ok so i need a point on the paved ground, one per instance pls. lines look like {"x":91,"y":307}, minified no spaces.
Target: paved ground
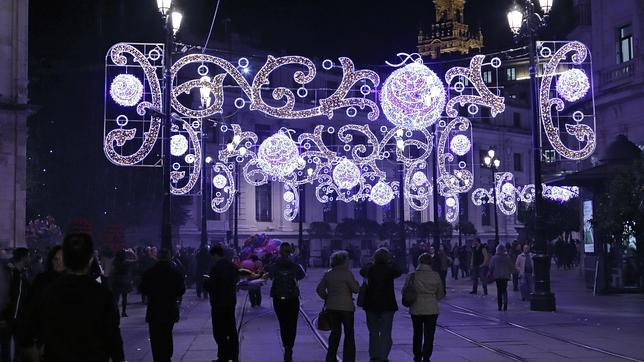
{"x":584,"y":328}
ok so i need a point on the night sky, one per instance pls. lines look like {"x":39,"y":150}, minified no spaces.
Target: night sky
{"x":68,"y":174}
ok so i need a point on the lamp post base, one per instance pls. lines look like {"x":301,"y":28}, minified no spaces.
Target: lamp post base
{"x":543,"y":302}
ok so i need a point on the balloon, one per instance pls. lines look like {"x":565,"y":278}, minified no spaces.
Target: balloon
{"x":247,"y":264}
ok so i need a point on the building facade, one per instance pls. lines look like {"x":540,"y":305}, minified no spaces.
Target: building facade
{"x":14,"y":110}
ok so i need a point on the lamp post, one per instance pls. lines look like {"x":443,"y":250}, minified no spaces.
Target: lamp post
{"x":493,"y":163}
{"x":526,"y":22}
{"x":204,"y":93}
{"x":171,"y":24}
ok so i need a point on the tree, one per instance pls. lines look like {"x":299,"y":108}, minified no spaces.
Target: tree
{"x":368,"y":228}
{"x":559,"y":219}
{"x":389,"y":230}
{"x":319,"y":230}
{"x":347,"y":229}
{"x":466,"y":227}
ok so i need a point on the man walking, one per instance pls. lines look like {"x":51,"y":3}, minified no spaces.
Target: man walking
{"x":163,"y":285}
{"x":479,"y":268}
{"x":222,"y":287}
{"x":15,"y":280}
{"x":79,"y":319}
{"x":525,"y":267}
{"x":286,"y":296}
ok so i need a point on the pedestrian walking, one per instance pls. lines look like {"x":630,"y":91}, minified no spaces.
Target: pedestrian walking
{"x":121,"y":279}
{"x":255,"y":294}
{"x":221,"y":284}
{"x":337,"y":288}
{"x":501,"y":269}
{"x":479,"y":266}
{"x":525,"y":266}
{"x":285,"y":292}
{"x":424,"y":310}
{"x":203,"y":260}
{"x":16,"y":280}
{"x":163,"y":285}
{"x":79,"y":319}
{"x":380,"y":302}
{"x":514,"y":253}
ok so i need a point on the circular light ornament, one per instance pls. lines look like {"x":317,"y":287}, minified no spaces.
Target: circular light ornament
{"x":413,"y":97}
{"x":507,"y":188}
{"x":346,"y":174}
{"x":178,"y":145}
{"x":381,"y":194}
{"x":460,"y":144}
{"x":450,"y":202}
{"x":126,"y":90}
{"x":278,"y":155}
{"x":289,"y":196}
{"x":419,"y":179}
{"x":573,"y":85}
{"x":219,"y":181}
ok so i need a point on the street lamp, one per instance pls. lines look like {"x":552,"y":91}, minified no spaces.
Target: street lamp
{"x":493,"y":163}
{"x":171,"y":26}
{"x":526,"y":22}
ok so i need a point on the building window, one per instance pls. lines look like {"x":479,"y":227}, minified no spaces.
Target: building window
{"x":487,"y":76}
{"x":330,"y":211}
{"x":416,"y":216}
{"x":263,"y":203}
{"x":516,"y":120}
{"x":550,"y":156}
{"x":360,"y":210}
{"x":624,"y":43}
{"x":517,"y":162}
{"x":511,"y":73}
{"x":485,"y":214}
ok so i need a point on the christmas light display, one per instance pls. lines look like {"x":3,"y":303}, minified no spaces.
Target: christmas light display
{"x":460,"y":145}
{"x":278,"y":155}
{"x":572,"y":85}
{"x":126,"y":90}
{"x":346,"y":174}
{"x":219,"y":181}
{"x":178,"y":145}
{"x":381,"y":194}
{"x":413,"y":97}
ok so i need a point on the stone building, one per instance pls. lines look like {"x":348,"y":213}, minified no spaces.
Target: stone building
{"x":14,"y":110}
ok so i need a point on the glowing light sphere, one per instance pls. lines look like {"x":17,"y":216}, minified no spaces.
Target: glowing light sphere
{"x":278,"y":155}
{"x":413,"y":97}
{"x":419,"y":178}
{"x":219,"y":181}
{"x":381,"y":194}
{"x":460,"y":144}
{"x":178,"y":145}
{"x":346,"y":174}
{"x":573,"y":85}
{"x":450,"y":202}
{"x":289,"y":196}
{"x":126,"y":90}
{"x":507,"y":188}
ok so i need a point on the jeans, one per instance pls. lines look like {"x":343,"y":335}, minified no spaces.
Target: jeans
{"x":424,"y":326}
{"x":339,"y":319}
{"x":515,"y":281}
{"x":502,"y":293}
{"x":479,"y":273}
{"x":287,"y":311}
{"x":161,"y":341}
{"x":224,"y":330}
{"x":526,"y":286}
{"x":379,"y":325}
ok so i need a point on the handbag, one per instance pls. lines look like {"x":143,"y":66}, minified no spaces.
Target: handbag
{"x":409,"y":293}
{"x":362,"y":294}
{"x":323,"y":322}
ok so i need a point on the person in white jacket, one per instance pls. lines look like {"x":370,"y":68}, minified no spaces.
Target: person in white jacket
{"x":525,"y":266}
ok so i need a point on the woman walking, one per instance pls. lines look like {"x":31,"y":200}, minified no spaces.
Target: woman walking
{"x":122,"y":279}
{"x":501,"y":269}
{"x":380,"y":303}
{"x":337,"y":288}
{"x":424,"y":310}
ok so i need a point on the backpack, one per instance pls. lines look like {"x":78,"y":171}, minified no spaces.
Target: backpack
{"x":285,"y":284}
{"x":409,"y":293}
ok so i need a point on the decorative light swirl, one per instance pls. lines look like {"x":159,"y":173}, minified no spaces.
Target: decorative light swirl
{"x":416,"y":192}
{"x":507,"y":199}
{"x":485,"y":98}
{"x":292,"y":207}
{"x":222,"y":200}
{"x":461,"y":180}
{"x":451,"y":208}
{"x":582,"y":132}
{"x":195,"y":167}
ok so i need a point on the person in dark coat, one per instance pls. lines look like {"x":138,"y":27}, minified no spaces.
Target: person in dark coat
{"x":286,"y":296}
{"x":380,"y":303}
{"x":16,"y":280}
{"x":163,"y":285}
{"x":122,"y":279}
{"x":79,"y":319}
{"x":221,"y":284}
{"x":203,"y":264}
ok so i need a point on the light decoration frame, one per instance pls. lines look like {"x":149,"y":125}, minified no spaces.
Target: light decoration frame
{"x":568,"y":60}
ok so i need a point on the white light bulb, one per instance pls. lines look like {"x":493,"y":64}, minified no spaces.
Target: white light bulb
{"x":309,"y":171}
{"x":236,"y":139}
{"x":242,"y":151}
{"x":400,"y":144}
{"x":230,"y":147}
{"x":219,"y":181}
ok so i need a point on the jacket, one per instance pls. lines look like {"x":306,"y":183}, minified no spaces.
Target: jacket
{"x":520,"y":264}
{"x":16,"y":293}
{"x":285,"y":264}
{"x":380,"y":290}
{"x":501,"y":266}
{"x":164,"y":286}
{"x":429,"y":290}
{"x":222,"y":284}
{"x":80,"y":321}
{"x":337,"y":288}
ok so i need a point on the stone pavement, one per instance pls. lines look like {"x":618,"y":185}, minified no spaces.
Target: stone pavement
{"x":584,"y":328}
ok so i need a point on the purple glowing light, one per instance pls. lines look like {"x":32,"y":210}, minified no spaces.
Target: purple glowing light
{"x":126,"y":90}
{"x":573,"y":85}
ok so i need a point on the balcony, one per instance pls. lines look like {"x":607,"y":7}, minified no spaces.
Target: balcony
{"x":618,"y":75}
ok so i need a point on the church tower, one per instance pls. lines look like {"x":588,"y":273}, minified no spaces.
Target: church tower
{"x":449,"y":33}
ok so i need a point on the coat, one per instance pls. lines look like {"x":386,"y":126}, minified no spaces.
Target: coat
{"x":429,"y":290}
{"x":380,"y":295}
{"x":520,"y":264}
{"x":80,"y":321}
{"x":501,"y":266}
{"x":282,"y":264}
{"x":337,"y":288}
{"x":222,"y":284}
{"x":164,"y":286}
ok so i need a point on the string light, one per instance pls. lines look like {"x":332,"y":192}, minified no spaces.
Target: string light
{"x":278,"y":155}
{"x":346,"y":174}
{"x":460,"y":145}
{"x":178,"y":145}
{"x":381,"y":194}
{"x":126,"y":90}
{"x":219,"y":181}
{"x":572,"y":85}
